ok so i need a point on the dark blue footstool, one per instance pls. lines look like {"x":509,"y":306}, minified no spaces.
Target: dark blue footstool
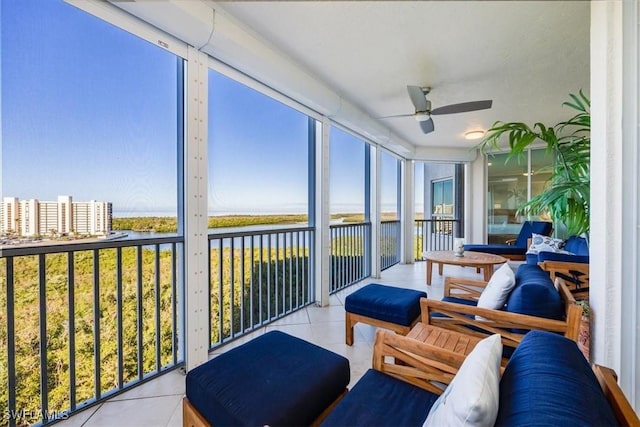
{"x":388,"y":307}
{"x":275,"y":379}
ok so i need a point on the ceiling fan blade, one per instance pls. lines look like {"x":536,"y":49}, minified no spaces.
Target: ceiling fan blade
{"x":397,"y":115}
{"x":463,"y":107}
{"x":418,"y":98}
{"x":427,"y":125}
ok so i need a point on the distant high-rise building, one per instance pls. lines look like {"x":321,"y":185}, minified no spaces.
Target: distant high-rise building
{"x":10,"y":215}
{"x":33,"y":217}
{"x":29,"y":213}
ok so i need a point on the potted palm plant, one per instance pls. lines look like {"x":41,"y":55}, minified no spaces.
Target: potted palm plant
{"x":566,"y":197}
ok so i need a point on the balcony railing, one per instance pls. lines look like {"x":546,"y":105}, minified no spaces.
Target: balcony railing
{"x":389,"y":244}
{"x":434,"y":235}
{"x":350,"y":248}
{"x":257,"y":277}
{"x":85,"y":321}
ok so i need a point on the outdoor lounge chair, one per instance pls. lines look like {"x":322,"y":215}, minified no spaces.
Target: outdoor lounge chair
{"x":517,"y":249}
{"x":572,"y":264}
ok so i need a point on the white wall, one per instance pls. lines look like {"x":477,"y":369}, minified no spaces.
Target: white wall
{"x":475,"y":193}
{"x":614,"y":183}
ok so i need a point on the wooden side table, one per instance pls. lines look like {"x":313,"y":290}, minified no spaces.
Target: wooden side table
{"x":457,"y":342}
{"x":478,"y":260}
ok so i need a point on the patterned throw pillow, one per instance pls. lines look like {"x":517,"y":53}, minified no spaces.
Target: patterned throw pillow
{"x":540,"y":243}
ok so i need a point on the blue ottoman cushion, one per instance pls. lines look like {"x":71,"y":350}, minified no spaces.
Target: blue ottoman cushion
{"x":380,"y":400}
{"x":549,"y":382}
{"x":275,"y":379}
{"x":387,"y":303}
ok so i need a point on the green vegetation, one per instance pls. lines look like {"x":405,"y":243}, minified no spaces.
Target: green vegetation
{"x":248,"y":288}
{"x":27,"y":330}
{"x":167,"y":224}
{"x":262,"y":286}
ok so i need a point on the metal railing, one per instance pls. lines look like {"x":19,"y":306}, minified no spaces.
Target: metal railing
{"x":389,"y":244}
{"x":350,"y":249}
{"x":434,"y":235}
{"x":83,"y":322}
{"x":256,"y":277}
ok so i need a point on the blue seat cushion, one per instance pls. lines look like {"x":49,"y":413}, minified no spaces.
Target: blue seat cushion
{"x":461,"y":301}
{"x":275,"y":379}
{"x":386,"y":303}
{"x":380,"y":400}
{"x":557,"y":256}
{"x":549,"y":382}
{"x":497,"y":249}
{"x":456,"y":301}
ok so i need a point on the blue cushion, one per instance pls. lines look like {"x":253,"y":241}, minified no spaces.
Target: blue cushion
{"x":456,"y":301}
{"x":577,"y":245}
{"x":530,"y":227}
{"x":549,"y":382}
{"x":556,"y":256}
{"x":532,"y":259}
{"x":536,"y":299}
{"x":497,"y":249}
{"x":380,"y":400}
{"x":461,"y":301}
{"x":275,"y":379}
{"x":387,"y":303}
{"x":528,"y":273}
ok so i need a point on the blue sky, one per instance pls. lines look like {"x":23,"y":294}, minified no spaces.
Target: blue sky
{"x":90,"y":111}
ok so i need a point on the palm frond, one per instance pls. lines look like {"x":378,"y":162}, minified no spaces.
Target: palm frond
{"x":566,"y":195}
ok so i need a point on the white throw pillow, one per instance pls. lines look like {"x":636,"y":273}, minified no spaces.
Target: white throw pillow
{"x":472,"y":397}
{"x":495,"y":294}
{"x":540,"y":243}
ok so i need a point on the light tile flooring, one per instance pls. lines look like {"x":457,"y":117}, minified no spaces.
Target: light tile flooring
{"x":158,"y":402}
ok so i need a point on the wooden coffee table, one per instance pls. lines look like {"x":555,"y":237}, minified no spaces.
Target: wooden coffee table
{"x":470,"y":259}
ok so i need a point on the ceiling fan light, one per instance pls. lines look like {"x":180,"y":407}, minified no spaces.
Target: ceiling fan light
{"x":421,"y":116}
{"x":474,"y":134}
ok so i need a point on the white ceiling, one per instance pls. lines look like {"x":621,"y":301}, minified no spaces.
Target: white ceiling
{"x":526,"y":56}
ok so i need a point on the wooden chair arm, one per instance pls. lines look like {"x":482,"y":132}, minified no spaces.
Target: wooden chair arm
{"x":414,"y":362}
{"x":615,"y":396}
{"x":463,"y":288}
{"x":495,"y":321}
{"x":566,"y":267}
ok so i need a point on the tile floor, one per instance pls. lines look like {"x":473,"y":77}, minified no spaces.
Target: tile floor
{"x":158,"y":402}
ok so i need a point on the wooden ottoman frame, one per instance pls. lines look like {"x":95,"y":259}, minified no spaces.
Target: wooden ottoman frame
{"x":351,"y":319}
{"x":192,"y":418}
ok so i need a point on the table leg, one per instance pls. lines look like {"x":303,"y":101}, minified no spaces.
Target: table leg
{"x":440,"y":268}
{"x":488,"y":272}
{"x":429,"y":267}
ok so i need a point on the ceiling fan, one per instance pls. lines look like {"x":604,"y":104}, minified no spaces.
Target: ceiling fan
{"x":424,"y":112}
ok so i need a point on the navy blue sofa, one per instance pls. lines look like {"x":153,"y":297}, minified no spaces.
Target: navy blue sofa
{"x":518,"y":249}
{"x":538,"y":387}
{"x":533,"y":303}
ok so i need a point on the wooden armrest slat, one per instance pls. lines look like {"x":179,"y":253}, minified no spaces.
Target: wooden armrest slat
{"x":621,"y":407}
